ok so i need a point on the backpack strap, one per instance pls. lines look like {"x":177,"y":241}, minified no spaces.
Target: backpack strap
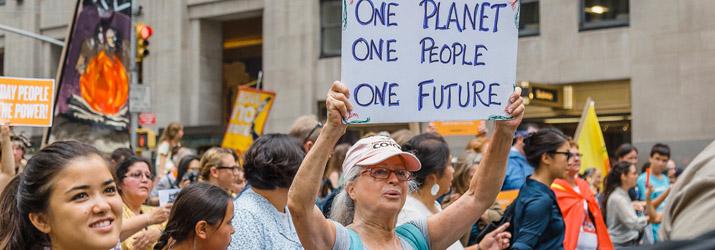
{"x":355,"y":241}
{"x":413,"y":236}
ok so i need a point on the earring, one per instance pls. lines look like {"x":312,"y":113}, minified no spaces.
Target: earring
{"x":434,"y":190}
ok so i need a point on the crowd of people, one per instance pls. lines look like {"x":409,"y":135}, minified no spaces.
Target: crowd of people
{"x":311,"y":189}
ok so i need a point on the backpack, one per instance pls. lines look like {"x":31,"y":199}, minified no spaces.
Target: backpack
{"x":508,"y":216}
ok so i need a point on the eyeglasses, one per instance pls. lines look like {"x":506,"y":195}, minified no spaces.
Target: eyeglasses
{"x":234,"y":168}
{"x":138,"y":175}
{"x":568,"y":155}
{"x":317,"y":126}
{"x":383,"y":173}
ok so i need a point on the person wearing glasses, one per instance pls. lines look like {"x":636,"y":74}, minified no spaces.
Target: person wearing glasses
{"x":143,"y":224}
{"x":219,"y":167}
{"x":306,"y":128}
{"x":585,"y":227}
{"x":262,"y":218}
{"x":538,"y":223}
{"x":377,"y":177}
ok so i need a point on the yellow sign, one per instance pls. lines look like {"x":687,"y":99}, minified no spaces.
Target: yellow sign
{"x":457,"y":127}
{"x":248,"y":118}
{"x":26,"y":101}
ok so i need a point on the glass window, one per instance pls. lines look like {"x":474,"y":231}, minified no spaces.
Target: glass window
{"x":529,"y":18}
{"x":330,"y":32}
{"x":2,"y":2}
{"x":597,"y":14}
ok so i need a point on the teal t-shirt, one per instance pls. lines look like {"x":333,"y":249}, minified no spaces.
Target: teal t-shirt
{"x":660,"y":185}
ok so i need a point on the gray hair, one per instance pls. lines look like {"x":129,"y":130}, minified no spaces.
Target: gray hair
{"x":343,"y":208}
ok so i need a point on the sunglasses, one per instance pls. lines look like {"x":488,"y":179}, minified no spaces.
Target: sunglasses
{"x":317,"y":126}
{"x":568,"y":155}
{"x":383,"y":173}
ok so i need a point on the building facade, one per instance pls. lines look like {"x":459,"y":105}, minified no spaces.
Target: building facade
{"x":649,"y":65}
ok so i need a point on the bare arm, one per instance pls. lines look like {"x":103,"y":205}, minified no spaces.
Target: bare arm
{"x":314,"y":230}
{"x":653,"y":215}
{"x":135,"y":224}
{"x":661,"y":198}
{"x":446,"y":227}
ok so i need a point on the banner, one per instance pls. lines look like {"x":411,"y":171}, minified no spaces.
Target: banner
{"x":458,"y":127}
{"x":26,"y":101}
{"x":589,"y":137}
{"x":93,"y":79}
{"x":429,"y":60}
{"x":248,"y":118}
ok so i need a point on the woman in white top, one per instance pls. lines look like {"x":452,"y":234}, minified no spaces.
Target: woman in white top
{"x":170,"y":138}
{"x":433,"y":180}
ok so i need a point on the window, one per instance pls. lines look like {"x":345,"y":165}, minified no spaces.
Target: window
{"x":2,"y":2}
{"x":330,"y":32}
{"x":599,"y":14}
{"x":529,"y":18}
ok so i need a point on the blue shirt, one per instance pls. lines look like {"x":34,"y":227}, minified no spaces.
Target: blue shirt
{"x":538,"y":223}
{"x":259,"y":225}
{"x":517,"y":169}
{"x":660,"y":185}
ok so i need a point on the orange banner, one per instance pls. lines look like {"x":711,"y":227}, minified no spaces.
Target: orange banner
{"x":26,"y":101}
{"x":457,"y":127}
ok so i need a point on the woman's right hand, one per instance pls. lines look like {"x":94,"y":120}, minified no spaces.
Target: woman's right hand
{"x":160,"y":215}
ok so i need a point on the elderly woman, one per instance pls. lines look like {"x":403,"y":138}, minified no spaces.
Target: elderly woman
{"x":142,"y":224}
{"x":377,"y":175}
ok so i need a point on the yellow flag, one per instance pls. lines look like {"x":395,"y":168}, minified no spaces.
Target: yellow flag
{"x":590,"y":141}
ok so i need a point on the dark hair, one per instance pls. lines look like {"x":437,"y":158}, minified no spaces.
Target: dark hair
{"x":198,"y":202}
{"x":272,"y":161}
{"x":544,"y":141}
{"x":184,"y":167}
{"x":588,"y":173}
{"x":30,"y":192}
{"x":645,"y":167}
{"x":123,"y":168}
{"x":661,"y":149}
{"x":625,"y":149}
{"x":613,"y":181}
{"x":121,"y":154}
{"x":432,"y":151}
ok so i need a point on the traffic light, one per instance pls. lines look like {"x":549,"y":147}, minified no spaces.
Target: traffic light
{"x":143,"y":33}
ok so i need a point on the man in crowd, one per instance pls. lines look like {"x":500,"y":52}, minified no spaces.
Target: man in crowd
{"x":306,"y":129}
{"x":656,"y":178}
{"x":517,"y":168}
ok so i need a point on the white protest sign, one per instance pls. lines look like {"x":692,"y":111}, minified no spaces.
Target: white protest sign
{"x":168,"y":196}
{"x":429,"y":60}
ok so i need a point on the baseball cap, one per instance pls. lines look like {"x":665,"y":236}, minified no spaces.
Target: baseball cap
{"x":375,"y":149}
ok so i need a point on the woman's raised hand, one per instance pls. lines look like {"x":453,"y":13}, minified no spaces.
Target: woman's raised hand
{"x":515,"y":109}
{"x":338,"y":106}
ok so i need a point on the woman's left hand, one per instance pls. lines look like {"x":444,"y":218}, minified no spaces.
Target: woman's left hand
{"x":515,"y":109}
{"x":497,"y":239}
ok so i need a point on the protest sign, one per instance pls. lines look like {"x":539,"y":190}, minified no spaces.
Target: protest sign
{"x":248,"y":118}
{"x":168,"y":196}
{"x":26,"y":101}
{"x":429,"y":60}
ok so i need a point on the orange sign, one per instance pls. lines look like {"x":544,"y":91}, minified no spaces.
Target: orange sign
{"x":457,"y":127}
{"x":26,"y":101}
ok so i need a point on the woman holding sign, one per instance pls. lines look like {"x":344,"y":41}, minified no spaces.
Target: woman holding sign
{"x":143,"y":224}
{"x":377,"y":178}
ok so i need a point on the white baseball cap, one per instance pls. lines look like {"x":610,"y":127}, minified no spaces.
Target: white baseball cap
{"x":375,"y":149}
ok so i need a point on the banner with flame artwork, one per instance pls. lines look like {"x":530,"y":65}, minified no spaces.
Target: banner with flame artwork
{"x":93,"y":79}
